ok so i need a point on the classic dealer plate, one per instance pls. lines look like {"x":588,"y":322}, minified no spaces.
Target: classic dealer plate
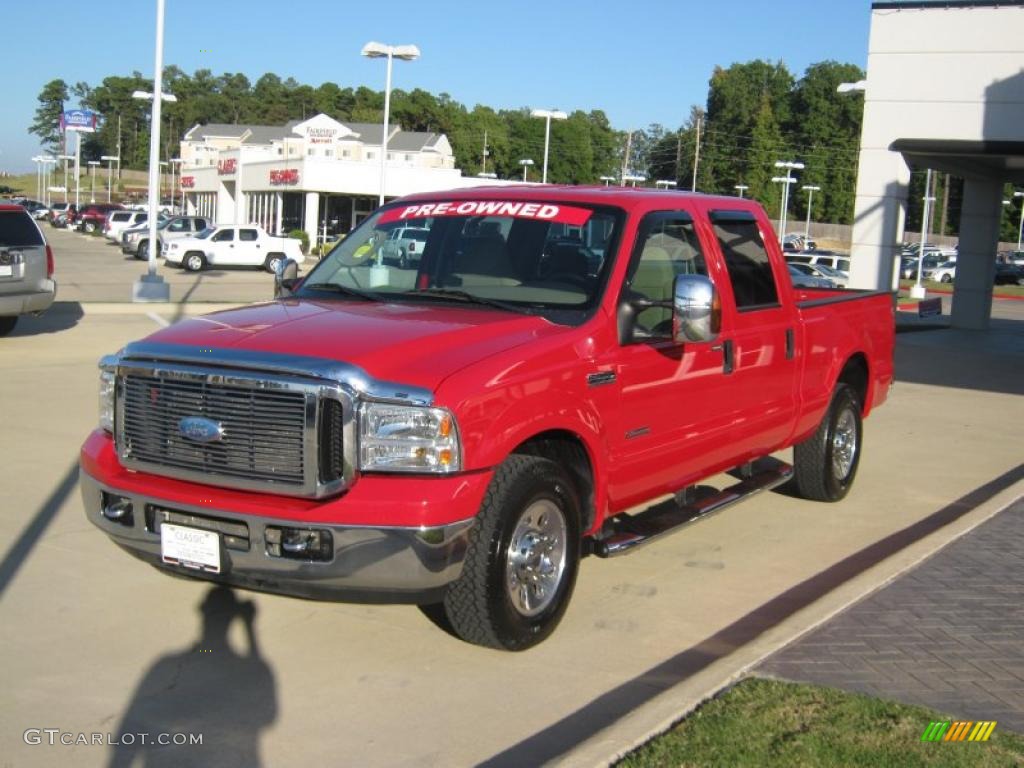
{"x":190,"y":547}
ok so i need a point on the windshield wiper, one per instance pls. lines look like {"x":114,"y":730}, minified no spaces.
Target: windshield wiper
{"x":337,"y":288}
{"x":469,"y":298}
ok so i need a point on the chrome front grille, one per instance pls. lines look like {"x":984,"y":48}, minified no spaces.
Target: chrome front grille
{"x":267,"y":432}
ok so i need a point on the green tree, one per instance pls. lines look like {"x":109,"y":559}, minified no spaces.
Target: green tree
{"x":764,"y":151}
{"x":46,"y":124}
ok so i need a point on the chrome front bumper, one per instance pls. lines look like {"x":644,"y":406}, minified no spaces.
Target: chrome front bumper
{"x":395,"y":565}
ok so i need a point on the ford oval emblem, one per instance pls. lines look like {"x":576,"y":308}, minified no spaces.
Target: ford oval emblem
{"x":199,"y":429}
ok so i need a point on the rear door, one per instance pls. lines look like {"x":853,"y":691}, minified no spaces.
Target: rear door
{"x":248,"y":248}
{"x":22,"y":253}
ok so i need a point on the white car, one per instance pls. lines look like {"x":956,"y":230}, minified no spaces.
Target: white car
{"x":840,"y":279}
{"x":135,"y":241}
{"x":944,"y":273}
{"x":225,"y":246}
{"x":118,"y":221}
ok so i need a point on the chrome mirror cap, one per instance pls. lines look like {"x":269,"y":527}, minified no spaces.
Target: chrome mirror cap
{"x":696,"y":309}
{"x":287,"y":272}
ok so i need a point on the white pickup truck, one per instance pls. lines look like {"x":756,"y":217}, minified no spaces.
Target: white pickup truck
{"x":224,"y":246}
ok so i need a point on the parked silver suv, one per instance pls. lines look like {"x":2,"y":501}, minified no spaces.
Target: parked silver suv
{"x":26,"y":267}
{"x":136,"y":240}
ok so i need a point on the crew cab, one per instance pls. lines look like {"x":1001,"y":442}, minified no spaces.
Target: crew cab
{"x":559,"y":374}
{"x":226,"y":246}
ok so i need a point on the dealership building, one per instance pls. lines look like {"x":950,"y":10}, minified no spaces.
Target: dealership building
{"x":319,"y":175}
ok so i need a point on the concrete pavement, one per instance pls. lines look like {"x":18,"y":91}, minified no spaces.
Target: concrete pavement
{"x":95,"y":642}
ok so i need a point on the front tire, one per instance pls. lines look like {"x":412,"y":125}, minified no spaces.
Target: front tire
{"x":274,"y":260}
{"x":194,"y":261}
{"x":143,"y":252}
{"x":825,"y":464}
{"x":523,"y":557}
{"x":947,"y":279}
{"x":7,"y":324}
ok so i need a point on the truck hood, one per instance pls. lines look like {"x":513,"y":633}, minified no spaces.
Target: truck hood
{"x":415,"y":344}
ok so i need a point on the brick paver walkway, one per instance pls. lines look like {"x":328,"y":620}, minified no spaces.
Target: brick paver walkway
{"x":949,"y":634}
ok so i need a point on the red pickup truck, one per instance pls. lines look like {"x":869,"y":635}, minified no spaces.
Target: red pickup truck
{"x":555,"y":376}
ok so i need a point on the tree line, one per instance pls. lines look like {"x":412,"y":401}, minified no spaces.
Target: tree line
{"x":756,"y":113}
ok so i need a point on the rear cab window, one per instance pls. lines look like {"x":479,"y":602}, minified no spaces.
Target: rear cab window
{"x":17,"y":230}
{"x":747,"y":263}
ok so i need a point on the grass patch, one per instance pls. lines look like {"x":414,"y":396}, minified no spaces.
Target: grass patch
{"x":760,"y":723}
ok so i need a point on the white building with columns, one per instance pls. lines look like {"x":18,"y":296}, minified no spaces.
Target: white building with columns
{"x":318,"y":175}
{"x":945,"y":91}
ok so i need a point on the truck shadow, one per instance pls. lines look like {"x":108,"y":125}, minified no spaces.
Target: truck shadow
{"x":61,"y":316}
{"x":207,"y":690}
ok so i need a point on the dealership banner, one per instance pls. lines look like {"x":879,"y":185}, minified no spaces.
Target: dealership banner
{"x":78,"y":120}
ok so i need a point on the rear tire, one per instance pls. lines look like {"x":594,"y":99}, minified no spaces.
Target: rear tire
{"x":143,"y":252}
{"x":825,"y":464}
{"x":403,"y":260}
{"x":523,"y":557}
{"x":7,"y":324}
{"x":947,"y":279}
{"x":272,"y":262}
{"x":89,"y":227}
{"x":194,"y":261}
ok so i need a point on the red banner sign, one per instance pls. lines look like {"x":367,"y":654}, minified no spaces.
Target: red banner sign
{"x":564,"y":214}
{"x":225,"y":167}
{"x":187,"y":182}
{"x":286,"y":176}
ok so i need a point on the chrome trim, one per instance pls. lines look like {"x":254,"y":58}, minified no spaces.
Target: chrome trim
{"x":342,"y":373}
{"x":315,"y":392}
{"x":395,"y":564}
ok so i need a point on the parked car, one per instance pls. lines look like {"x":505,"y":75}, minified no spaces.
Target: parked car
{"x":1016,"y":257}
{"x":932,"y":260}
{"x":118,"y":221}
{"x":837,"y":278}
{"x":57,"y":209}
{"x":135,"y":241}
{"x":797,"y":243}
{"x":26,"y":267}
{"x":944,"y":273}
{"x":404,"y":245}
{"x":831,"y":259}
{"x":92,"y":216}
{"x":462,"y":435}
{"x":232,"y":246}
{"x":1009,"y":274}
{"x":802,"y":279}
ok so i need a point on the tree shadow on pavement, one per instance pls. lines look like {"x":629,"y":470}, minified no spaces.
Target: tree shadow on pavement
{"x":209,"y":689}
{"x":59,"y":317}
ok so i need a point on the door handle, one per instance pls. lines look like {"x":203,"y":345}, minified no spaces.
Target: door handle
{"x":790,"y":344}
{"x":726,"y":348}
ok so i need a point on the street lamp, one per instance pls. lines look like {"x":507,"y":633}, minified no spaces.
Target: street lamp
{"x":607,"y":180}
{"x":664,"y":183}
{"x":377,"y":51}
{"x":65,"y":158}
{"x":38,"y":160}
{"x":110,"y":160}
{"x":177,"y":161}
{"x":150,"y":286}
{"x":790,"y":166}
{"x":1020,"y":227}
{"x":92,"y":191}
{"x":526,"y":163}
{"x":634,"y":178}
{"x":917,"y":290}
{"x":741,"y":188}
{"x":548,"y":115}
{"x":810,"y":189}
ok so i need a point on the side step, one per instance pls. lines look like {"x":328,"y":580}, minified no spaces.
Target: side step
{"x":629,"y":532}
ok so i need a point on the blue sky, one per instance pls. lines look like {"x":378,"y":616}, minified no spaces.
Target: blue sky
{"x":642,"y":61}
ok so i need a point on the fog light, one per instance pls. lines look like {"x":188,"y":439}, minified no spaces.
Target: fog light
{"x":117,"y":509}
{"x":299,"y":543}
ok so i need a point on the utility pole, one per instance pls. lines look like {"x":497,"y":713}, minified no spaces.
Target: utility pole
{"x":483,"y":162}
{"x":625,"y":159}
{"x":679,"y":152}
{"x":934,"y":179}
{"x":696,"y":155}
{"x":945,"y":205}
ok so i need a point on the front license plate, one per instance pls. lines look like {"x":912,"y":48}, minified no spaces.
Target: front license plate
{"x":6,"y":271}
{"x":190,"y":547}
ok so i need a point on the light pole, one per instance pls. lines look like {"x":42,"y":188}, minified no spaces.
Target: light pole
{"x":38,"y":160}
{"x":377,"y":51}
{"x":65,"y":158}
{"x":790,"y":166}
{"x":548,"y":115}
{"x":110,"y":161}
{"x":150,"y":286}
{"x":92,"y":189}
{"x":526,"y":163}
{"x":1020,"y":227}
{"x":633,"y":178}
{"x":664,"y":184}
{"x":607,"y":180}
{"x":741,"y":188}
{"x":176,"y":162}
{"x":917,"y":290}
{"x":810,"y":189}
{"x":48,"y":161}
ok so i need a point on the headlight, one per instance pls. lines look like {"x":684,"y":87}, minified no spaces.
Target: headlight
{"x":108,"y":385}
{"x":400,"y":438}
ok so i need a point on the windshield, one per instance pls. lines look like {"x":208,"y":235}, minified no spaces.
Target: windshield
{"x":525,"y":256}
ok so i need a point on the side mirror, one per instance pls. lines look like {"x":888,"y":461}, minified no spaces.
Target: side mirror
{"x":696,"y":309}
{"x":285,"y":277}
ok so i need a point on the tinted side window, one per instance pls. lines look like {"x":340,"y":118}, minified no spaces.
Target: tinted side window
{"x":750,"y":271}
{"x":248,"y":235}
{"x":199,"y":225}
{"x":224,"y":236}
{"x":18,"y":229}
{"x":666,"y":246}
{"x":179,"y":225}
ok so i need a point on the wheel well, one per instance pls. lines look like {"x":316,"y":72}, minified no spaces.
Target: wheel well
{"x":855,"y":375}
{"x":569,"y":451}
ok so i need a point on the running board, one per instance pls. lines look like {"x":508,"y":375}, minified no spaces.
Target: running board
{"x":629,"y":532}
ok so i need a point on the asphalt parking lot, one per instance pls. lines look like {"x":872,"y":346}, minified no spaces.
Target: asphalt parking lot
{"x":97,"y":643}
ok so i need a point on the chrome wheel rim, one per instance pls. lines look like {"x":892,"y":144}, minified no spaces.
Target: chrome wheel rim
{"x":194,"y":263}
{"x":274,"y":264}
{"x":844,"y":444}
{"x":536,"y":557}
